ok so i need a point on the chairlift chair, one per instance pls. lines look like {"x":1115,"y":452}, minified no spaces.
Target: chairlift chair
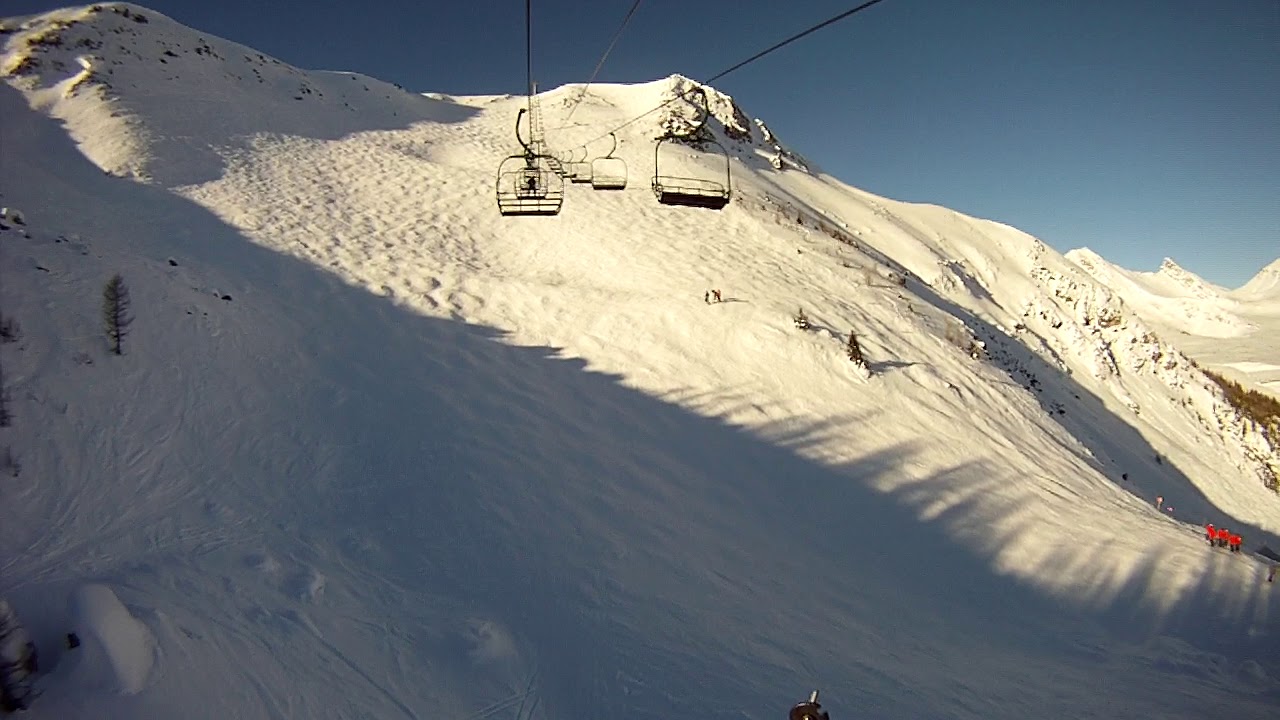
{"x":528,"y":183}
{"x":579,"y":170}
{"x":527,"y":186}
{"x":688,"y":191}
{"x":609,"y":172}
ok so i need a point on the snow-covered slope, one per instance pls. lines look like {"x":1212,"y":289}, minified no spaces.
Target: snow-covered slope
{"x":1235,"y":333}
{"x":1265,"y":286}
{"x":374,"y":450}
{"x":1171,"y":296}
{"x":131,"y":85}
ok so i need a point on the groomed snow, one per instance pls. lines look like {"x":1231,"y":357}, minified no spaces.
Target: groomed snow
{"x":374,"y":450}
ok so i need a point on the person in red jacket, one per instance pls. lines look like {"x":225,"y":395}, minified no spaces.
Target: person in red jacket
{"x":1235,"y":541}
{"x":1209,"y":533}
{"x":1223,"y":536}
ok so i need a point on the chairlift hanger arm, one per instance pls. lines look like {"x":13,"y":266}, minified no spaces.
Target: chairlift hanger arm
{"x":519,"y":139}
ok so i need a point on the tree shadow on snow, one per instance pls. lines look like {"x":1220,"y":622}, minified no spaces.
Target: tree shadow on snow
{"x":886,"y":365}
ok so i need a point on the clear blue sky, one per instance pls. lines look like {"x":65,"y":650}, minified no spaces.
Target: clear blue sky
{"x":1139,"y":128}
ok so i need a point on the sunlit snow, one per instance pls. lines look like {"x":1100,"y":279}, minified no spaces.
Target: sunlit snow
{"x":374,"y":450}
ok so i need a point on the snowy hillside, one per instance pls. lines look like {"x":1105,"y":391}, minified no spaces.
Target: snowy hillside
{"x":375,"y":450}
{"x":1171,"y":296}
{"x":1264,"y":286}
{"x":1233,"y":332}
{"x":131,"y":85}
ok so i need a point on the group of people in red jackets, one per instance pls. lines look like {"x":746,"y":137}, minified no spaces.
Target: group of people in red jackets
{"x":1222,"y":537}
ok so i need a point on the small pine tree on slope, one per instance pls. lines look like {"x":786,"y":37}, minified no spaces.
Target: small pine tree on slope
{"x":115,"y":312}
{"x":855,"y":351}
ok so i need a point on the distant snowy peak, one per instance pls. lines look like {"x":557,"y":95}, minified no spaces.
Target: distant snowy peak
{"x":1092,"y":262}
{"x":1170,"y":298}
{"x":1170,"y":280}
{"x":1116,"y":278}
{"x":1192,"y":284}
{"x":147,"y":97}
{"x":1263,"y":286}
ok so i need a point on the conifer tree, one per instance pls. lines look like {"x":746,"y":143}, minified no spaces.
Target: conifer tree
{"x":115,"y":312}
{"x":854,"y":351}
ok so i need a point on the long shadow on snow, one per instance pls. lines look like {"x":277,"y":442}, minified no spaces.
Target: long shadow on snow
{"x":1116,"y":447}
{"x":500,"y":507}
{"x":1106,"y":434}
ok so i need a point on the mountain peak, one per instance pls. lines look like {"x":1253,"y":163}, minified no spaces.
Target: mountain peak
{"x":1266,"y":284}
{"x":1085,"y":257}
{"x":749,"y":137}
{"x":1186,"y":280}
{"x":398,"y":349}
{"x":137,"y":87}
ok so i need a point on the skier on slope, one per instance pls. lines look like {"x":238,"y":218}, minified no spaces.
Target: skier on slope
{"x":1209,"y":533}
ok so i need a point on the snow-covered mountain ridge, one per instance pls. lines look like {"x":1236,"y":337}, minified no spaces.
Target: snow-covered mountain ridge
{"x":130,"y":83}
{"x":375,"y":450}
{"x":1266,"y":284}
{"x":1193,"y":285}
{"x":1231,"y":332}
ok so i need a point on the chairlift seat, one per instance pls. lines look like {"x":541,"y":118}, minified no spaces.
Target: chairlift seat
{"x":527,"y":187}
{"x":608,"y":173}
{"x":690,"y":192}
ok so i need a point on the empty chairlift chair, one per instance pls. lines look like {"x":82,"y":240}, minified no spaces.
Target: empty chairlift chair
{"x":579,"y":170}
{"x":701,"y":192}
{"x":609,"y":172}
{"x":690,"y":191}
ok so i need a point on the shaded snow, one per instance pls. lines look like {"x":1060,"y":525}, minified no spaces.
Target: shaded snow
{"x":116,"y":652}
{"x":375,"y":450}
